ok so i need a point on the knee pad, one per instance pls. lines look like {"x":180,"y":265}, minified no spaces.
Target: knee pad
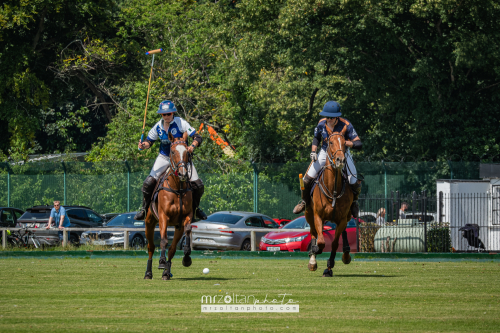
{"x":148,"y":185}
{"x":197,"y":184}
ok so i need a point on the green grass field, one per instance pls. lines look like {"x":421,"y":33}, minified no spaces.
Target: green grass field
{"x":111,"y":295}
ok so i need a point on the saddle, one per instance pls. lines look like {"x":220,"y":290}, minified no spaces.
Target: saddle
{"x":159,"y":186}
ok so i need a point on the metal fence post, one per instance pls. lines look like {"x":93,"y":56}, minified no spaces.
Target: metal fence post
{"x":255,"y":189}
{"x":440,"y":207}
{"x":65,"y":237}
{"x":398,"y":201}
{"x":125,"y":240}
{"x":413,"y":202}
{"x":64,"y":185}
{"x":128,"y":185}
{"x":392,"y":207}
{"x":252,"y":240}
{"x":424,"y":214}
{"x":385,"y":188}
{"x":8,"y":186}
{"x":4,"y":238}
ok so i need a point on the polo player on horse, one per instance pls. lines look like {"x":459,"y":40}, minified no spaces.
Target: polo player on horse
{"x":177,"y":127}
{"x":331,"y":112}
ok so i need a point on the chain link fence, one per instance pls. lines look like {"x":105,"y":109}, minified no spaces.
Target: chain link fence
{"x":271,"y":189}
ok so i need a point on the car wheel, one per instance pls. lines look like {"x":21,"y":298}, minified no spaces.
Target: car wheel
{"x":74,"y":240}
{"x":137,"y":243}
{"x":246,"y":245}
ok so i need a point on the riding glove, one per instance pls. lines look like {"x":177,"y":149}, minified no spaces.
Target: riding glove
{"x":314,"y":156}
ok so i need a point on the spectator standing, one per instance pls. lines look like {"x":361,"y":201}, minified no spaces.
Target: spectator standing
{"x":58,"y":213}
{"x":402,"y":210}
{"x":381,"y":217}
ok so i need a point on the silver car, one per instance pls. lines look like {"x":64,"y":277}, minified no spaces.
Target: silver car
{"x":211,"y":234}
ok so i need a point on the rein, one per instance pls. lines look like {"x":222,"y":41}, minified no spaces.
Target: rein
{"x":321,"y":182}
{"x":173,"y":170}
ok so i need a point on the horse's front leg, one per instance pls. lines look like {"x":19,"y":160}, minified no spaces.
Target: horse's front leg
{"x":186,"y":260}
{"x":150,"y":232}
{"x":164,"y":241}
{"x":335,"y":244}
{"x":313,"y":247}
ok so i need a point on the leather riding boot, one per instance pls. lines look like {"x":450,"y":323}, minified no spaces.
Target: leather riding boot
{"x":198,"y":190}
{"x":356,"y":189}
{"x":147,"y":190}
{"x":306,"y":196}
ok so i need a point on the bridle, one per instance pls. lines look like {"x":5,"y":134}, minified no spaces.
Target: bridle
{"x":330,"y":155}
{"x":321,"y":182}
{"x":175,"y":167}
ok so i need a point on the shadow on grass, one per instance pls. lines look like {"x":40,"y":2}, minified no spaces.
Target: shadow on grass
{"x":202,"y":278}
{"x":364,"y":275}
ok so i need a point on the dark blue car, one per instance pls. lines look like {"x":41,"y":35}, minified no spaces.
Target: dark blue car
{"x":106,"y":235}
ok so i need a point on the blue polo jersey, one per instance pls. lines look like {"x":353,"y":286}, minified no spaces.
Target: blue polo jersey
{"x":177,"y":128}
{"x":56,"y":215}
{"x":343,"y":127}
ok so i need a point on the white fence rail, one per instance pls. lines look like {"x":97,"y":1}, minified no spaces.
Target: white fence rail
{"x":127,"y":230}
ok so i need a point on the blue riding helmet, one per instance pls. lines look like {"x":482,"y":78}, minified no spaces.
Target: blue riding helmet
{"x":331,"y":109}
{"x":166,"y":107}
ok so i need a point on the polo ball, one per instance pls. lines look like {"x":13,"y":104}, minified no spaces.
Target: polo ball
{"x":206,"y":270}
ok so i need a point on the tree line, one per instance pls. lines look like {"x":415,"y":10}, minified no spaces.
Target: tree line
{"x":416,"y":78}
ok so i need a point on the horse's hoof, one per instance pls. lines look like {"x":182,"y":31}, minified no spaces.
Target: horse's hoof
{"x":166,"y":276}
{"x":163,"y":263}
{"x":346,"y":258}
{"x":327,"y":273}
{"x":148,"y":276}
{"x":312,"y":267}
{"x":186,"y":261}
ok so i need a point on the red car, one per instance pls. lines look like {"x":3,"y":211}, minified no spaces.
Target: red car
{"x":282,"y":222}
{"x":297,"y":241}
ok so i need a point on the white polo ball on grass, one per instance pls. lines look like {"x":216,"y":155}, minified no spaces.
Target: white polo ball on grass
{"x":206,"y":271}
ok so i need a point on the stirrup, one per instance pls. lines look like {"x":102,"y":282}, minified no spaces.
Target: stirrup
{"x":301,"y":206}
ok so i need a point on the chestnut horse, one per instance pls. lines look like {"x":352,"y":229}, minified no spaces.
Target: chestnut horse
{"x":331,"y":201}
{"x":175,"y":208}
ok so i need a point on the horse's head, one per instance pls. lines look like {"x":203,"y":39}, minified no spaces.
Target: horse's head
{"x":179,"y":157}
{"x":336,"y":150}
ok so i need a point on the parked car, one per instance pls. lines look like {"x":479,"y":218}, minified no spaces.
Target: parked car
{"x":9,"y":216}
{"x":368,"y":217}
{"x":79,"y":217}
{"x":282,"y":222}
{"x":300,"y":241}
{"x":210,"y":234}
{"x":108,"y":216}
{"x":106,"y":235}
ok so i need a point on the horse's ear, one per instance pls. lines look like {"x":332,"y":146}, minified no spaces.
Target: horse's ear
{"x":170,"y":137}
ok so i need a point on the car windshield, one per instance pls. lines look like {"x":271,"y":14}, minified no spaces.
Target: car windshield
{"x":299,"y":223}
{"x":123,"y":220}
{"x":223,"y":218}
{"x":36,"y":214}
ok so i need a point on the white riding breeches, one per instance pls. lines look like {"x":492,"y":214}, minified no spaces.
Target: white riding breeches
{"x":163,"y":162}
{"x":314,"y":167}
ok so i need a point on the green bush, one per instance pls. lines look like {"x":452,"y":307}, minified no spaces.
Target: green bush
{"x":438,"y":238}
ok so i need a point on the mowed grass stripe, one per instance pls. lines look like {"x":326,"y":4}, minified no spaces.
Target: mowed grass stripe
{"x":111,"y":295}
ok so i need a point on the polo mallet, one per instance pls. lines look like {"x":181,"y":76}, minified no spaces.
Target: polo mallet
{"x":153,"y":52}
